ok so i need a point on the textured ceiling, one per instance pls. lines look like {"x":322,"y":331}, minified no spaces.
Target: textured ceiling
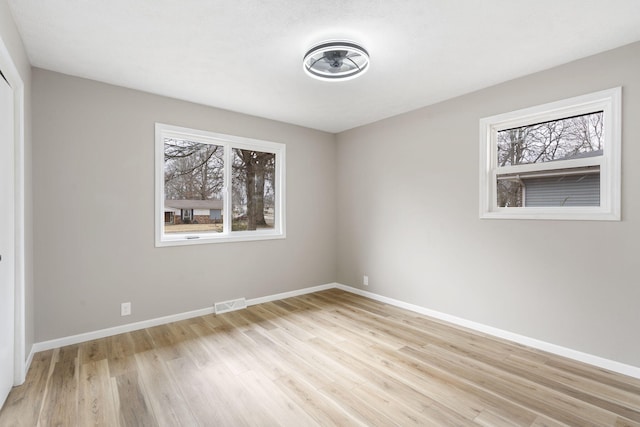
{"x":246,"y":55}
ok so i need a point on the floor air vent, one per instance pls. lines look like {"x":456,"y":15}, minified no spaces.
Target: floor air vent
{"x":225,"y":306}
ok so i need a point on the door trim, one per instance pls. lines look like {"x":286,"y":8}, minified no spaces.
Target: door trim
{"x":12,"y":76}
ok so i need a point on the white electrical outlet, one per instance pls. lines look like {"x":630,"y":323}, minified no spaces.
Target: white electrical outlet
{"x":125,"y":309}
{"x":365,"y":280}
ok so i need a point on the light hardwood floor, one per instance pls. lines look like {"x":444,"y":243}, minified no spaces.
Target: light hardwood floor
{"x":329,"y":358}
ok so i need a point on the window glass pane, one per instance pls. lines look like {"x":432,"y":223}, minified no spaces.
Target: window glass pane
{"x":562,"y":187}
{"x":253,"y":190}
{"x":510,"y":193}
{"x":563,"y":139}
{"x":193,"y":183}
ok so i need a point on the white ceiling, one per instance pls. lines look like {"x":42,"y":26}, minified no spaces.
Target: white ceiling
{"x":246,"y":55}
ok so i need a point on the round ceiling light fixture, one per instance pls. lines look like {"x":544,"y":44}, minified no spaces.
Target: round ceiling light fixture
{"x":336,"y":60}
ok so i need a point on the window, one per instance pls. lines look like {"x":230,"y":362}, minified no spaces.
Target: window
{"x":217,"y":188}
{"x":554,"y":161}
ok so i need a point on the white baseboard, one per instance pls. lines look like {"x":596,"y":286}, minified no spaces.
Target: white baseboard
{"x":129,"y":327}
{"x":285,"y":295}
{"x":611,"y":365}
{"x":102,"y":333}
{"x":27,"y":363}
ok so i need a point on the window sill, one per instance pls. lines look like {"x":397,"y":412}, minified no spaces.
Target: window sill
{"x":563,"y":213}
{"x":185,"y":240}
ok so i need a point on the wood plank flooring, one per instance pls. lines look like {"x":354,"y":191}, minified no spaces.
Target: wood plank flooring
{"x":325,"y":359}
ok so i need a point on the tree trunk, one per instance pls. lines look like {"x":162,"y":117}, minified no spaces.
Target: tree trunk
{"x":251,"y":195}
{"x":260,"y":172}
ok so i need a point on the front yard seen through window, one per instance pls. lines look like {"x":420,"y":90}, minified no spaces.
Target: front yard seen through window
{"x":214,"y":188}
{"x":554,"y":161}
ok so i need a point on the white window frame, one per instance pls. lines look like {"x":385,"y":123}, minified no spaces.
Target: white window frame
{"x":609,"y":101}
{"x":229,"y":142}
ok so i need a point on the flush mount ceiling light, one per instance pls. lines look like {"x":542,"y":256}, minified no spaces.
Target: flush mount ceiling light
{"x":336,"y":60}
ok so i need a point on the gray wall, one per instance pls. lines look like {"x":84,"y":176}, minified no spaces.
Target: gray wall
{"x":13,"y":42}
{"x":408,"y":217}
{"x":93,"y":178}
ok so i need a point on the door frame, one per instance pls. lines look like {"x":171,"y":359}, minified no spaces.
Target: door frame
{"x":12,"y":75}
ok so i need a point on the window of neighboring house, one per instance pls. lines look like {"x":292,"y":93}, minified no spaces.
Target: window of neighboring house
{"x":227,"y":188}
{"x":554,"y":161}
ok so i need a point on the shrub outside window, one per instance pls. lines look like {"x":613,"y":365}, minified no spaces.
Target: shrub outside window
{"x":217,"y":188}
{"x":554,"y":161}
